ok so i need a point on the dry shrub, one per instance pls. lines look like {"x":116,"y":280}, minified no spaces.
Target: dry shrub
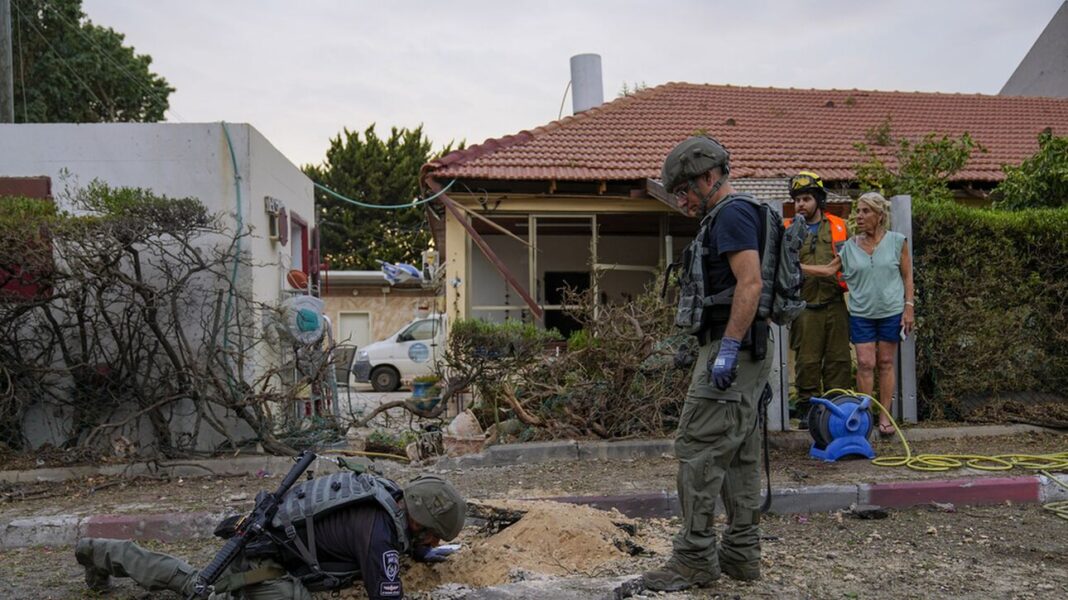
{"x":616,"y":379}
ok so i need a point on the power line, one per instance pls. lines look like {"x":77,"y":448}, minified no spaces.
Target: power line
{"x":415,"y":202}
{"x":100,"y":50}
{"x":63,"y":61}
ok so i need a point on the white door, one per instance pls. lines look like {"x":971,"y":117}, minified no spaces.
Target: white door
{"x":354,"y":329}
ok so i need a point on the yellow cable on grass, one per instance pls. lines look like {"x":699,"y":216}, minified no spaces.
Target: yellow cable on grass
{"x":1043,"y":463}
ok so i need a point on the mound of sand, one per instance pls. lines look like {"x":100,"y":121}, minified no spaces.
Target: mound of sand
{"x":551,"y":539}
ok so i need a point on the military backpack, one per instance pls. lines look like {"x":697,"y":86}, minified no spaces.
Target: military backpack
{"x":780,"y":272}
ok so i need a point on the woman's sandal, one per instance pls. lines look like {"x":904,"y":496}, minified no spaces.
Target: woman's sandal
{"x":886,"y":430}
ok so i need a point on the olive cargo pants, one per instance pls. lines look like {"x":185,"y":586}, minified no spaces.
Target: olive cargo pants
{"x":718,"y":447}
{"x":820,"y":337}
{"x":156,"y":571}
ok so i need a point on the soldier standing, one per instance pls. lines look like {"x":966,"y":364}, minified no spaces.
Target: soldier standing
{"x":718,"y":440}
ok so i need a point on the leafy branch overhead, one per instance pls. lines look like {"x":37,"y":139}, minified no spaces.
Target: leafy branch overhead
{"x":1041,"y":181}
{"x":921,"y":168}
{"x":69,"y":70}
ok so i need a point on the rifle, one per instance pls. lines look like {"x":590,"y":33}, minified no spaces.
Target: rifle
{"x":249,"y":527}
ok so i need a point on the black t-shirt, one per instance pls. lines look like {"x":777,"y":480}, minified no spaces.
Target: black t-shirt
{"x":363,"y":534}
{"x":736,"y":228}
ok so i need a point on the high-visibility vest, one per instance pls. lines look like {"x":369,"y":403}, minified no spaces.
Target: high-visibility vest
{"x":838,"y":234}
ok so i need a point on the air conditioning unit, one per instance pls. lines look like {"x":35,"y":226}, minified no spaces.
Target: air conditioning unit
{"x":277,"y":220}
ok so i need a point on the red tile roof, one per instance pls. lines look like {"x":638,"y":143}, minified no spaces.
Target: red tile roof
{"x":771,"y":132}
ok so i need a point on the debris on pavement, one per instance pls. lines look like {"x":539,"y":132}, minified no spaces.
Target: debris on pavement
{"x":868,"y":511}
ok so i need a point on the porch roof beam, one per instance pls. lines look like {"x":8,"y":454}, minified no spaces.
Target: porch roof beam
{"x":461,"y":217}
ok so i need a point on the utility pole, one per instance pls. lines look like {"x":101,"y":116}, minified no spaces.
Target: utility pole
{"x":7,"y":70}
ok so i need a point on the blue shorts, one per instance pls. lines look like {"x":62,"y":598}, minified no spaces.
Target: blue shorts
{"x":863,"y":330}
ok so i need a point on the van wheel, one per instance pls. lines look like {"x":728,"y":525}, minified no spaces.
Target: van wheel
{"x":385,"y":379}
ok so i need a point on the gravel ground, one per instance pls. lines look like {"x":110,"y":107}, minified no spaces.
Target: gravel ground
{"x":977,"y":552}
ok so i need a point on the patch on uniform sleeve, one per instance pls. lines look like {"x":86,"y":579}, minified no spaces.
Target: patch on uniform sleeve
{"x":389,"y":588}
{"x":391,"y":565}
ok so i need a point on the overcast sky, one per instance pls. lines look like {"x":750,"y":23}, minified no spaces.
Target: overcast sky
{"x":473,"y":69}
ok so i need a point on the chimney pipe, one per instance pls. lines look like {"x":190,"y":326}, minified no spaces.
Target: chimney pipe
{"x":587,"y":91}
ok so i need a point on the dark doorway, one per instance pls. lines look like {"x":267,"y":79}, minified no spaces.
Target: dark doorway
{"x":555,"y":283}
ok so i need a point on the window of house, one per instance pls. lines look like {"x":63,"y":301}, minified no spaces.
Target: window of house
{"x":298,"y":246}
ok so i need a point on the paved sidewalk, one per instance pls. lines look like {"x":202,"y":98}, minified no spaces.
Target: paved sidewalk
{"x":63,"y":529}
{"x":534,"y":452}
{"x":494,"y":456}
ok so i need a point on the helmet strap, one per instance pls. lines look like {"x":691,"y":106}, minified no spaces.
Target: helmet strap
{"x":711,"y":192}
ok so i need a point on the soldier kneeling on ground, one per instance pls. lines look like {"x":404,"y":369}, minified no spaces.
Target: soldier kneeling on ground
{"x":329,"y":533}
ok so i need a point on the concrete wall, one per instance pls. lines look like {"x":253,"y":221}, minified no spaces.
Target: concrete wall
{"x":177,"y":160}
{"x":388,"y":312}
{"x":188,"y":159}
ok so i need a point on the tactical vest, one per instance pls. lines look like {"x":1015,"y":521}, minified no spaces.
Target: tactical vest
{"x":780,"y":272}
{"x":322,"y":495}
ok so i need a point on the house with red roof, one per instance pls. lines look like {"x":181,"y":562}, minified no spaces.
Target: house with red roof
{"x":575,"y":202}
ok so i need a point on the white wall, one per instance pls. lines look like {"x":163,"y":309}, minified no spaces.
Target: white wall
{"x":172,"y":159}
{"x":487,"y":287}
{"x":177,"y":160}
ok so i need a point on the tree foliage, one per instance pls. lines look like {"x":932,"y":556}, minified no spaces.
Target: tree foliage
{"x":376,"y":171}
{"x":1041,"y":181}
{"x":69,"y":70}
{"x":920,"y":168}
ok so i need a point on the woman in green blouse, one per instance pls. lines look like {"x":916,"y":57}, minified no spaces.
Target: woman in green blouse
{"x":878,"y":270}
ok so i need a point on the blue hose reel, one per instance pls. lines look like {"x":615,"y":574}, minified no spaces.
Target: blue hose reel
{"x":840,"y":425}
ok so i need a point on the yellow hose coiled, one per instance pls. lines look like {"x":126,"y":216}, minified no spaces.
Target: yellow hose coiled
{"x":1043,"y":463}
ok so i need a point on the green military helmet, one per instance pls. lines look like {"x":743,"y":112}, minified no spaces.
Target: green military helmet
{"x":435,"y":504}
{"x":691,"y":158}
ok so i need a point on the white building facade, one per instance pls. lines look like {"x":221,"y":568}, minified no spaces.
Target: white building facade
{"x":232,"y":169}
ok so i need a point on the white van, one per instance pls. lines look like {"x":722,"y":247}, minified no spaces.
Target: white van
{"x":403,"y":356}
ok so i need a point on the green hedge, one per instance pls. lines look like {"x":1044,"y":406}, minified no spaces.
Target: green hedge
{"x":993,"y":304}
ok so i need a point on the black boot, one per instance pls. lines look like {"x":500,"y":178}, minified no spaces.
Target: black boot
{"x":803,"y":408}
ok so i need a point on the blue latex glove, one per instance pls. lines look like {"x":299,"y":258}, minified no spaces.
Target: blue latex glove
{"x":434,"y":554}
{"x":724,"y":369}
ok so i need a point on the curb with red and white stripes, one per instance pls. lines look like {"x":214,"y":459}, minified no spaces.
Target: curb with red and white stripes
{"x":62,"y":530}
